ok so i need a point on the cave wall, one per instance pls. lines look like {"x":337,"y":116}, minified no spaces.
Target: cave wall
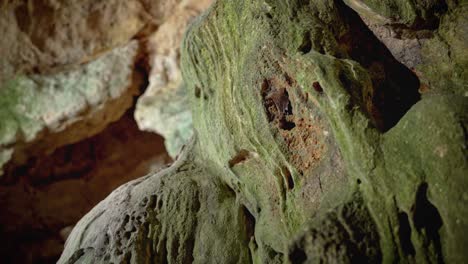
{"x":318,"y":139}
{"x":73,"y":76}
{"x":323,"y":131}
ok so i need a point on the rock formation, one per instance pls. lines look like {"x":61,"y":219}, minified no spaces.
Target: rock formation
{"x":50,"y":193}
{"x":314,"y":142}
{"x":71,"y":73}
{"x":164,"y":107}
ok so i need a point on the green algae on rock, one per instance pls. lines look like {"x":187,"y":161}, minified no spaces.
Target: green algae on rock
{"x":164,"y":107}
{"x":311,"y":145}
{"x":44,"y":106}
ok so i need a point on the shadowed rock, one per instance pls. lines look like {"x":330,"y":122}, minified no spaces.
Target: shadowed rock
{"x":311,"y":142}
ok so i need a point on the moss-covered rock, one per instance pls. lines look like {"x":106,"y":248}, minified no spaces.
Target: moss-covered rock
{"x":312,"y":145}
{"x":39,"y":113}
{"x":164,"y":107}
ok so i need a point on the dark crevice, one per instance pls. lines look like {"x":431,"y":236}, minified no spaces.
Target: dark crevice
{"x":404,"y":234}
{"x":128,"y":258}
{"x":175,"y":249}
{"x":152,"y":202}
{"x":241,"y":156}
{"x":306,"y":45}
{"x":197,"y":92}
{"x":427,"y":221}
{"x":317,"y":87}
{"x":162,"y":255}
{"x":395,"y":86}
{"x":288,"y":178}
{"x":190,"y":245}
{"x":249,"y":220}
{"x":277,"y":105}
{"x":297,"y":256}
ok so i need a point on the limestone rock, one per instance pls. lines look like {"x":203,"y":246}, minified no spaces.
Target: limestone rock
{"x":43,"y":36}
{"x":50,"y":193}
{"x":164,"y":107}
{"x":39,"y":113}
{"x":436,"y":53}
{"x":311,"y":145}
{"x":414,"y":14}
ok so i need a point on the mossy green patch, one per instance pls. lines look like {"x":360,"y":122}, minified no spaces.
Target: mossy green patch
{"x":313,"y":134}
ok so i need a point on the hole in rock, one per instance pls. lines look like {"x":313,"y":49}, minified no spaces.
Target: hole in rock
{"x":249,"y":220}
{"x":288,"y":178}
{"x":298,"y":256}
{"x":197,"y":92}
{"x":428,"y":221}
{"x":277,"y":105}
{"x":317,"y":87}
{"x":404,"y":233}
{"x":306,"y":45}
{"x":240,"y":157}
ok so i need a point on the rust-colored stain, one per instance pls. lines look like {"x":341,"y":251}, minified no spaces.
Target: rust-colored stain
{"x":303,"y":133}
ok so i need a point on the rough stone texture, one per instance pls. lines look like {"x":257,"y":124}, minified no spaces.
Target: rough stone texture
{"x":164,"y":107}
{"x":445,"y":59}
{"x":406,"y":50}
{"x":49,"y":194}
{"x":437,"y":56}
{"x":43,"y":36}
{"x":39,"y":113}
{"x":68,"y":69}
{"x":311,"y":145}
{"x":414,"y":14}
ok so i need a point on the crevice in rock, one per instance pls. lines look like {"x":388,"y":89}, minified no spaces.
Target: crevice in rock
{"x":395,"y":86}
{"x":302,"y":132}
{"x":404,"y":234}
{"x":298,"y":256}
{"x":197,"y":92}
{"x":287,"y":178}
{"x":250,"y":222}
{"x":306,"y":45}
{"x":317,"y":87}
{"x":242,"y":156}
{"x":427,"y":221}
{"x":277,"y":104}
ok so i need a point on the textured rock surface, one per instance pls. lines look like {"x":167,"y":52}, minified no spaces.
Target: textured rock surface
{"x":312,"y":145}
{"x":164,"y":107}
{"x":51,"y":193}
{"x":43,"y":36}
{"x":39,"y":113}
{"x":438,"y":56}
{"x":68,"y":69}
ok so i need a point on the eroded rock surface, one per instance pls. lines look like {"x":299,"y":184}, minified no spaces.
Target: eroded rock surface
{"x":45,"y":197}
{"x":312,"y":145}
{"x":39,"y":113}
{"x":164,"y":107}
{"x":44,"y":36}
{"x":68,"y":71}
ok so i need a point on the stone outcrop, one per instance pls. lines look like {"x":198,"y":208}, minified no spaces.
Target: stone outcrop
{"x":44,"y":36}
{"x":70,"y":75}
{"x":312,"y":144}
{"x":42,"y":112}
{"x":164,"y":107}
{"x":50,"y":193}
